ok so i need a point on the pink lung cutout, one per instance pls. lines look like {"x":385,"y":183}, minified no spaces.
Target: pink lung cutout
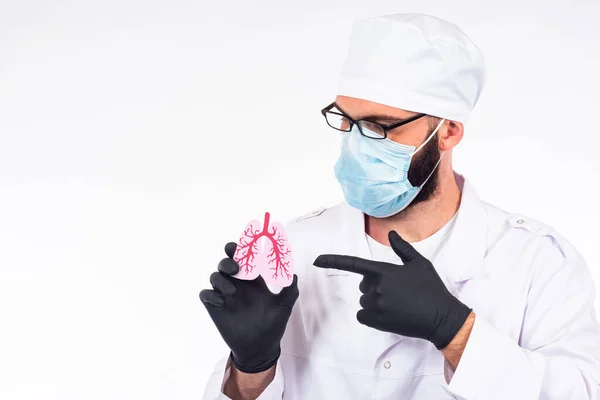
{"x":265,"y":251}
{"x":247,"y":253}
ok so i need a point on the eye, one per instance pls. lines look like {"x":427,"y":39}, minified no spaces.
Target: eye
{"x":338,"y":122}
{"x":372,"y":130}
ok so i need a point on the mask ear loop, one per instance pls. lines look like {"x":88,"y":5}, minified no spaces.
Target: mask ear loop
{"x":429,"y":138}
{"x":439,"y":160}
{"x":433,"y":170}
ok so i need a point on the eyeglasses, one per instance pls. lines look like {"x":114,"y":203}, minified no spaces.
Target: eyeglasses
{"x":372,"y":130}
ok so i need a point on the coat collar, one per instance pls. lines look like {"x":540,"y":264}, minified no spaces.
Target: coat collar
{"x":461,"y":255}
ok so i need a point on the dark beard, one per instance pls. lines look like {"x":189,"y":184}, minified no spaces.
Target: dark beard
{"x":420,"y":167}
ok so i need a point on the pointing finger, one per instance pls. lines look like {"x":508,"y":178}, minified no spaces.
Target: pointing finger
{"x":347,"y":263}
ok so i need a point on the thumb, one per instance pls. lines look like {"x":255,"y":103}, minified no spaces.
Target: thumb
{"x":291,"y":293}
{"x":402,"y":248}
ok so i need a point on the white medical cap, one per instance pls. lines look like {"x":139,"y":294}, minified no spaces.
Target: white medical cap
{"x":414,"y":62}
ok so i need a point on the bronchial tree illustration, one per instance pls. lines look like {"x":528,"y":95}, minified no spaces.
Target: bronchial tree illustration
{"x":264,"y":250}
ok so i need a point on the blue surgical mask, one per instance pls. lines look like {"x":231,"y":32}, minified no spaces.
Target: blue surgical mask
{"x":373,"y":173}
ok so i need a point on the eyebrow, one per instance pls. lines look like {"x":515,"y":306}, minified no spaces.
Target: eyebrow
{"x":374,"y":116}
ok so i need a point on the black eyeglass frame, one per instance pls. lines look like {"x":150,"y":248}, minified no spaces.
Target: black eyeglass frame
{"x":385,"y":128}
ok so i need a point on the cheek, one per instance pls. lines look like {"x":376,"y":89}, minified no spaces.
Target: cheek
{"x":408,"y":138}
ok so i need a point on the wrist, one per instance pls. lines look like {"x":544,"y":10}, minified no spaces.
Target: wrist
{"x":243,"y":386}
{"x":454,"y":351}
{"x":451,"y":326}
{"x":262,"y":362}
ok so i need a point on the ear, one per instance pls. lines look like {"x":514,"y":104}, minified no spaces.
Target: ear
{"x":451,"y":133}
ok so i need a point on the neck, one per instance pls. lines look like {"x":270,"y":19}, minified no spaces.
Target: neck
{"x":422,"y":220}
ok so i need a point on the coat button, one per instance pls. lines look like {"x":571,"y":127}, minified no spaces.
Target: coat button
{"x":387,"y":365}
{"x":520,"y":221}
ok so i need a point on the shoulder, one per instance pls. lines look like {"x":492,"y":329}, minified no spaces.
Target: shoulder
{"x":525,"y":230}
{"x":309,"y":235}
{"x":319,"y":217}
{"x":311,"y":214}
{"x":535,"y":249}
{"x":318,"y":227}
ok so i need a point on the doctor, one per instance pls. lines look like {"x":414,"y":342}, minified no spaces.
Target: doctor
{"x":413,"y":288}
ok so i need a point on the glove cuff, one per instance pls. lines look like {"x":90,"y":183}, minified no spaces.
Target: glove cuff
{"x":453,"y":324}
{"x":256,"y":366}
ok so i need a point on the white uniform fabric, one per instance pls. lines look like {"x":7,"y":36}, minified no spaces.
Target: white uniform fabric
{"x":428,"y":247}
{"x":535,"y":335}
{"x":415,"y":62}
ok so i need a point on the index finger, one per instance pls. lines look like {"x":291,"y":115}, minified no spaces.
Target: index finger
{"x":347,"y":263}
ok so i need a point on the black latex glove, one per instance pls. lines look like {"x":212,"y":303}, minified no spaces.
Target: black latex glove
{"x":409,"y":300}
{"x":250,"y":318}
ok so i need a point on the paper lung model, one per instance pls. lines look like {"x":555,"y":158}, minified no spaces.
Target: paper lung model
{"x":264,"y":250}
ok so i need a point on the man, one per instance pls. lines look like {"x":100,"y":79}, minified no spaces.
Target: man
{"x":419,"y":289}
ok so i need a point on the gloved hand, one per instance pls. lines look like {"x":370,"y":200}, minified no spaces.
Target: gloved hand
{"x":250,"y":318}
{"x":409,"y":300}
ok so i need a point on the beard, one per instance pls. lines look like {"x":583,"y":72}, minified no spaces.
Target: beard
{"x":420,"y":167}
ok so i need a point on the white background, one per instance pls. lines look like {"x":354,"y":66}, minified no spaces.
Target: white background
{"x":138,"y":137}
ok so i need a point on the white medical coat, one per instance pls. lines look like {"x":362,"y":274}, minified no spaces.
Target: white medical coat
{"x":535,"y":335}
